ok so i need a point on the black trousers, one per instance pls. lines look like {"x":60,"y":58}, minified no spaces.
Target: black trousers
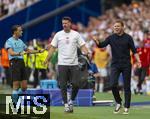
{"x":28,"y":70}
{"x":68,"y":75}
{"x":141,"y":72}
{"x":114,"y":76}
{"x":36,"y":76}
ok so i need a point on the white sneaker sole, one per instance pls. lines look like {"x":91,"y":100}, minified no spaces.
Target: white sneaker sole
{"x":125,"y":113}
{"x":116,"y":112}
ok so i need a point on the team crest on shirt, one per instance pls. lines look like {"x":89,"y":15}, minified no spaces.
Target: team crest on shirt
{"x":67,"y":40}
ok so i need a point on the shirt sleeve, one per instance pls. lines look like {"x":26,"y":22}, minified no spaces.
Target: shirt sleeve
{"x":80,"y":40}
{"x":132,"y":46}
{"x":104,"y":43}
{"x":8,"y":44}
{"x":54,"y":42}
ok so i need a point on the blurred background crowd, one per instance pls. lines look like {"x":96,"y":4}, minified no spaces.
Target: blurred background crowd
{"x":137,"y":23}
{"x":9,"y":7}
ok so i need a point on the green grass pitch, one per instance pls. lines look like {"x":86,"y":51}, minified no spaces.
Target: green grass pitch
{"x":104,"y":112}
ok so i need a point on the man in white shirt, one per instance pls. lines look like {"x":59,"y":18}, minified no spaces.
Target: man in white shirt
{"x":67,"y":41}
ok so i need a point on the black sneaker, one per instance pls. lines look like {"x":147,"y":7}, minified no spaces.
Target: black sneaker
{"x":117,"y":108}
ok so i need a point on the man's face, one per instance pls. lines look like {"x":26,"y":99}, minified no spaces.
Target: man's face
{"x":19,"y":32}
{"x":117,"y":28}
{"x":66,"y":24}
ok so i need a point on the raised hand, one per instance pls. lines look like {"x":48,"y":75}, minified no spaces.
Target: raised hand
{"x":95,"y":38}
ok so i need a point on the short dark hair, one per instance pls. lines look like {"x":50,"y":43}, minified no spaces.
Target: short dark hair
{"x":67,"y":18}
{"x":14,"y":28}
{"x":120,"y":21}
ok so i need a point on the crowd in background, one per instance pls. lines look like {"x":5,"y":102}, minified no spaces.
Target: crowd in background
{"x":9,"y":7}
{"x":137,"y":24}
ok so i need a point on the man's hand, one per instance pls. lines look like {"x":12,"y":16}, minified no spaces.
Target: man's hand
{"x":139,"y":64}
{"x":34,"y":51}
{"x":95,"y":38}
{"x":138,"y":60}
{"x":88,"y":55}
{"x":42,"y":50}
{"x":50,"y":52}
{"x":45,"y":62}
{"x":21,"y":53}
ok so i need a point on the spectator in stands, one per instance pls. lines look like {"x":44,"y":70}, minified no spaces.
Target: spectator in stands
{"x":29,"y":63}
{"x":93,"y":74}
{"x":101,"y":58}
{"x":5,"y":65}
{"x":67,"y":41}
{"x":142,"y":71}
{"x":12,"y":6}
{"x":148,"y":85}
{"x":39,"y":58}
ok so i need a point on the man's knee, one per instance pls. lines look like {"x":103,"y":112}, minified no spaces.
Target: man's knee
{"x":127,"y":89}
{"x":75,"y":85}
{"x":113,"y":85}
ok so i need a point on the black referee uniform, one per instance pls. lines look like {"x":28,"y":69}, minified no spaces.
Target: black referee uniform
{"x":120,"y":48}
